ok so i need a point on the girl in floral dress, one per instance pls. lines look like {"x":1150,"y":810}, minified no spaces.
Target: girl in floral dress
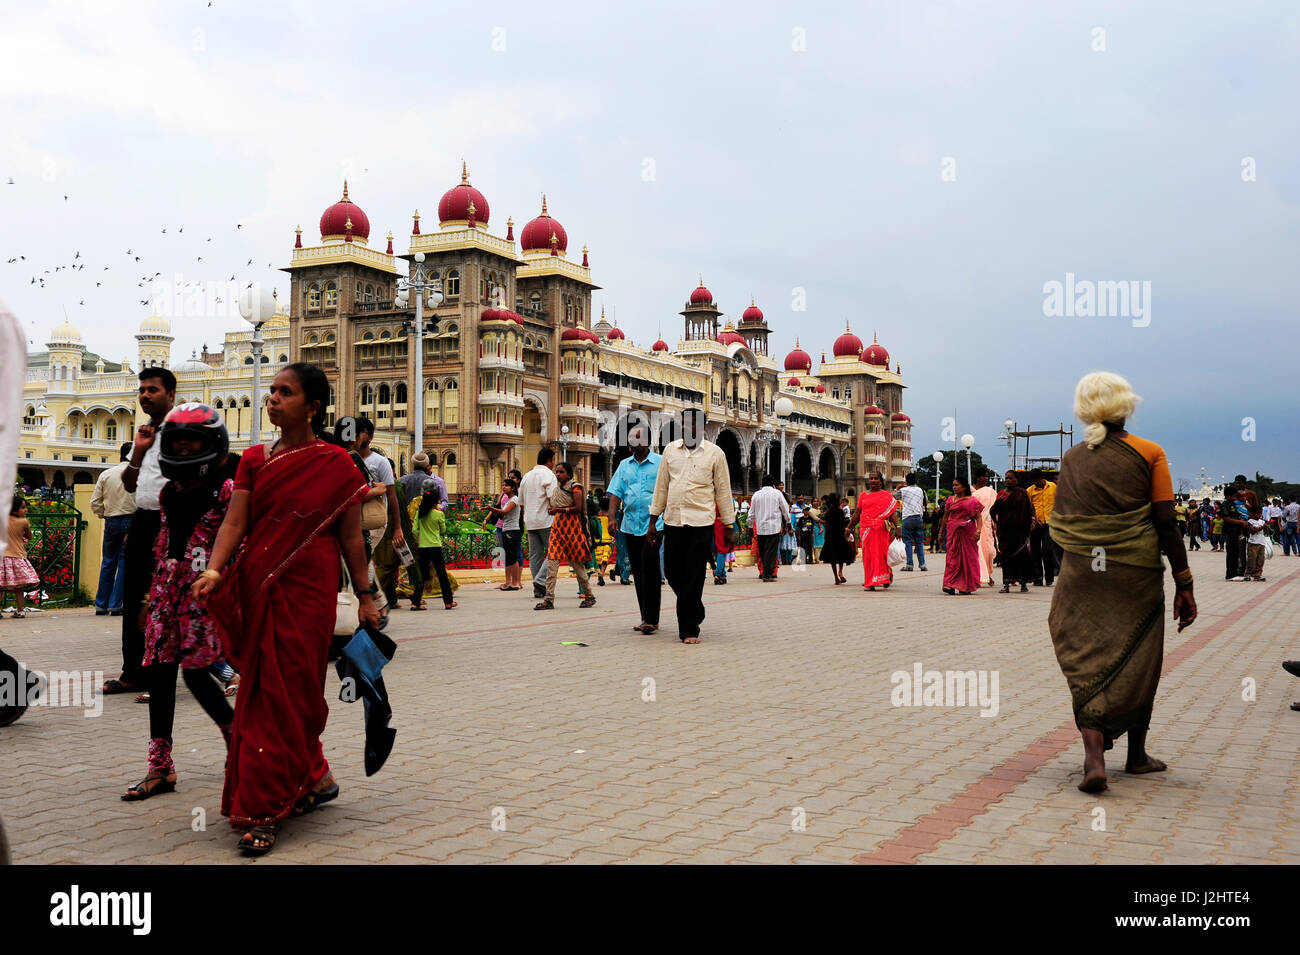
{"x":16,"y":571}
{"x":179,"y":634}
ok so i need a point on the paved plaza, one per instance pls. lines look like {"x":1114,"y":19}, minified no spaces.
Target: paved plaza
{"x":773,"y":741}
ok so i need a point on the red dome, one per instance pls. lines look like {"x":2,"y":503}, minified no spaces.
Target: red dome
{"x":794,"y":383}
{"x":752,"y":314}
{"x":454,"y":204}
{"x":660,"y":345}
{"x":872,"y":409}
{"x":820,"y":389}
{"x":876,"y":354}
{"x":491,"y":315}
{"x":571,"y":335}
{"x":536,"y":236}
{"x":616,"y":332}
{"x":847,"y":344}
{"x":899,"y":417}
{"x":701,"y":295}
{"x":731,"y":338}
{"x":798,"y":360}
{"x":334,"y":221}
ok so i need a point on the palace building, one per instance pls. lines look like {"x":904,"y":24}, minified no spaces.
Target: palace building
{"x":512,"y":360}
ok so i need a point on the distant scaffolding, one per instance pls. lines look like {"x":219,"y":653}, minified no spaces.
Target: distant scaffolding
{"x":1018,"y":454}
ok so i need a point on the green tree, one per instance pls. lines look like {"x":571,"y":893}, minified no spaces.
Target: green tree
{"x":925,"y":473}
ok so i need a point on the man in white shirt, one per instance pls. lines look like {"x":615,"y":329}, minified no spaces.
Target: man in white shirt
{"x":142,"y":477}
{"x":113,"y":504}
{"x":535,"y":498}
{"x":1290,"y":523}
{"x":769,"y":517}
{"x":913,"y":528}
{"x":692,"y":490}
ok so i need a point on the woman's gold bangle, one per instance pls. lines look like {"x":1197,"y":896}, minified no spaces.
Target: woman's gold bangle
{"x":212,"y":574}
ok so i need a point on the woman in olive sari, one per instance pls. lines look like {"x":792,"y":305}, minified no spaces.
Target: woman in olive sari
{"x":1113,"y":515}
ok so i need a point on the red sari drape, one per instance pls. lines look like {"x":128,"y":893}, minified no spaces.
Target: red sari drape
{"x":276,"y":614}
{"x":962,"y":569}
{"x":874,"y":508}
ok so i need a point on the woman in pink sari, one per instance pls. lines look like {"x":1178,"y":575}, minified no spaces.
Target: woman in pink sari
{"x":296,"y":506}
{"x":987,"y":544}
{"x":875,"y":508}
{"x":962,"y":566}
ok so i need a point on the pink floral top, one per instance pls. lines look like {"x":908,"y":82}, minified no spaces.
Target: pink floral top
{"x":179,"y":630}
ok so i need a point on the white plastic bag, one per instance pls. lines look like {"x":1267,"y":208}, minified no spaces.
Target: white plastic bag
{"x":897,"y":554}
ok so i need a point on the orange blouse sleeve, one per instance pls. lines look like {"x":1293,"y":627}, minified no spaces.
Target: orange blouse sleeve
{"x":1162,"y":485}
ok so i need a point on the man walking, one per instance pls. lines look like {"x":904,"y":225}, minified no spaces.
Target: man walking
{"x":913,"y":528}
{"x":1042,"y":494}
{"x":142,"y":477}
{"x":535,"y":498}
{"x":114,"y":505}
{"x":632,"y":490}
{"x":1234,"y":537}
{"x":693,"y":489}
{"x":769,"y":516}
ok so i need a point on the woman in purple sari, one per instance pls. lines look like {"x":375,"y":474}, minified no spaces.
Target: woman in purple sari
{"x":961,"y":566}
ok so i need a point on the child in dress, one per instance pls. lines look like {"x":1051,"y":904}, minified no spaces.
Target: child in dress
{"x":16,"y":571}
{"x":179,"y":633}
{"x":1255,"y":544}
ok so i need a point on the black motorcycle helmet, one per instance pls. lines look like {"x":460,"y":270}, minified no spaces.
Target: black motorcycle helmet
{"x":192,"y":420}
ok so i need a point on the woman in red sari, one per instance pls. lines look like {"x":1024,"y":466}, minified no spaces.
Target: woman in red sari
{"x":875,"y":508}
{"x":962,"y":570}
{"x":295,"y":507}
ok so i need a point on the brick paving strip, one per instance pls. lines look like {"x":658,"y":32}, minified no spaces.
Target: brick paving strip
{"x":942,"y":823}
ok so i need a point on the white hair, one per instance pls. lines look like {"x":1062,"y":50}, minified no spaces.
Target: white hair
{"x":1099,"y":398}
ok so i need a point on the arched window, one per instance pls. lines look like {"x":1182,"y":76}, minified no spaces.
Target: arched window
{"x":284,"y":359}
{"x":217,"y":404}
{"x":367,"y":395}
{"x":433,"y":459}
{"x":399,"y":393}
{"x":331,"y":295}
{"x":247,"y":403}
{"x":450,"y":459}
{"x":370,"y":293}
{"x":385,"y":395}
{"x":29,"y":419}
{"x":110,"y":430}
{"x":452,"y":289}
{"x":451,"y":402}
{"x":431,"y":397}
{"x":248,"y":360}
{"x":313,"y":296}
{"x":266,"y":359}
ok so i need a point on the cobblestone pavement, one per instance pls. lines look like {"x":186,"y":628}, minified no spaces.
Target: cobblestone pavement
{"x":774,"y":740}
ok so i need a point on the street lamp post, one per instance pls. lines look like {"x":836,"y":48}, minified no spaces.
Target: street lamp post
{"x":783,"y":407}
{"x":1011,"y":443}
{"x":257,"y":305}
{"x":564,"y":442}
{"x":968,"y":442}
{"x":420,"y":284}
{"x":938,"y":459}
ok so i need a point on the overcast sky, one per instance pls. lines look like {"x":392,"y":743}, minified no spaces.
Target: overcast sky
{"x":918,"y":169}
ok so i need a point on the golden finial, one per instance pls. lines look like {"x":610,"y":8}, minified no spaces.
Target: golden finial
{"x":464,"y":172}
{"x":602,"y":313}
{"x":846,"y":327}
{"x":796,"y":341}
{"x":471,"y":207}
{"x":555,"y":239}
{"x":390,"y":235}
{"x":298,"y":230}
{"x":701,"y":285}
{"x":345,"y":191}
{"x":348,"y":224}
{"x":510,"y":221}
{"x":544,"y":212}
{"x":874,"y":339}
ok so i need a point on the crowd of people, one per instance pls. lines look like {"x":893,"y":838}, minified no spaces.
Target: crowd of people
{"x":218,"y":563}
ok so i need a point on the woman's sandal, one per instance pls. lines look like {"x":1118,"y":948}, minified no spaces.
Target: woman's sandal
{"x":142,"y":789}
{"x":545,"y":605}
{"x":587,"y":602}
{"x":259,"y":840}
{"x":315,"y":798}
{"x":419,"y":606}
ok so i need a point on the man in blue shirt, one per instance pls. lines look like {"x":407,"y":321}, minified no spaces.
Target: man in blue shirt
{"x":633,"y":486}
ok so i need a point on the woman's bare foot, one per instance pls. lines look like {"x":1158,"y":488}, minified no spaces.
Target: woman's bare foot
{"x":1094,"y":761}
{"x":1139,"y":760}
{"x":690,"y":640}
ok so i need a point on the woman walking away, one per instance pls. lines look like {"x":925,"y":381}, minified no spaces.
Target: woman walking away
{"x":16,"y":571}
{"x":509,"y":531}
{"x":178,"y":633}
{"x":961,"y":564}
{"x":1013,"y":524}
{"x":430,"y":526}
{"x":569,"y":540}
{"x":875,"y":508}
{"x":837,"y":548}
{"x":1114,"y":503}
{"x":295,"y":506}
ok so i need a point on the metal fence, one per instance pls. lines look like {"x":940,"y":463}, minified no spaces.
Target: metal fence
{"x":55,"y":549}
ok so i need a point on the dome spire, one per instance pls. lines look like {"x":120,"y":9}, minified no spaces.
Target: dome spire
{"x":345,"y":192}
{"x":297,"y":242}
{"x":464,"y":172}
{"x":510,"y":229}
{"x":544,"y":212}
{"x":415,"y":228}
{"x":585,"y":264}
